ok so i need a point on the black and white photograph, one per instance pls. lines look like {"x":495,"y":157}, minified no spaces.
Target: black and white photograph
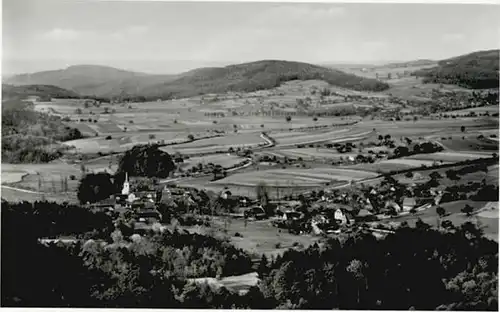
{"x":250,"y":155}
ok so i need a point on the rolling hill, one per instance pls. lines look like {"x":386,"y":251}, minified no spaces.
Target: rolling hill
{"x":478,"y":70}
{"x":110,"y":82}
{"x":91,"y":80}
{"x":259,"y":75}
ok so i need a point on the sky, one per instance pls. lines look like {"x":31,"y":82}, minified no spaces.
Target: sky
{"x":170,"y":37}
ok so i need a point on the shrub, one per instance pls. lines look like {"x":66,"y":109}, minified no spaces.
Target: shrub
{"x":109,"y":137}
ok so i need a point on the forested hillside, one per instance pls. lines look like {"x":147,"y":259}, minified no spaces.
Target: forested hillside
{"x":478,"y":70}
{"x":32,"y":137}
{"x":44,"y":92}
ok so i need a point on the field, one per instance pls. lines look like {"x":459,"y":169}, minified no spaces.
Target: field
{"x":488,"y":221}
{"x":448,"y":156}
{"x":392,"y":165}
{"x":225,"y":160}
{"x":296,"y":177}
{"x":217,"y":144}
{"x":308,"y":153}
{"x":48,"y":176}
{"x":478,"y":110}
{"x":258,"y":237}
{"x":337,"y":135}
{"x":122,"y":142}
{"x":470,"y":144}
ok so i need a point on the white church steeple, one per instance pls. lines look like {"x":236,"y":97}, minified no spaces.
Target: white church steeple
{"x":126,"y":185}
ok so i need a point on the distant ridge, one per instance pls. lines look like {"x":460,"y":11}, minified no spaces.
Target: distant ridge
{"x":414,"y":63}
{"x":105,"y":81}
{"x":477,"y":70}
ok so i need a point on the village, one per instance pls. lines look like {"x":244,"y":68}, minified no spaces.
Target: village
{"x":324,"y":213}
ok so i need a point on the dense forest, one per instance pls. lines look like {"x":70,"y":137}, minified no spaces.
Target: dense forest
{"x":478,"y":70}
{"x":415,"y":268}
{"x":32,"y":137}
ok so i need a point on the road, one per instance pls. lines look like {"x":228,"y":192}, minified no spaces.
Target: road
{"x":21,"y":190}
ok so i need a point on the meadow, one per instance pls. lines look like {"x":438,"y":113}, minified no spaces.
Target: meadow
{"x":487,"y":221}
{"x":291,"y":177}
{"x":225,"y":160}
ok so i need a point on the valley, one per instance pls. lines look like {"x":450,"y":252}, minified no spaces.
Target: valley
{"x":299,"y":157}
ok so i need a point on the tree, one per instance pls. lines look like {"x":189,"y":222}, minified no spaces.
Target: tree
{"x":435,"y":175}
{"x":467,"y":209}
{"x":440,"y":211}
{"x":146,"y":161}
{"x":452,"y":175}
{"x":355,"y":267}
{"x":263,"y":195}
{"x":217,"y":171}
{"x":94,"y":187}
{"x":191,"y":137}
{"x":263,"y":267}
{"x":462,"y":128}
{"x":288,"y":118}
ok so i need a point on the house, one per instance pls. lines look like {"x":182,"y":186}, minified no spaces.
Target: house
{"x":256,"y":212}
{"x":364,"y":213}
{"x":225,"y":194}
{"x":391,"y":205}
{"x":340,"y":217}
{"x":292,"y":215}
{"x":409,"y":203}
{"x":108,"y":203}
{"x":148,"y":215}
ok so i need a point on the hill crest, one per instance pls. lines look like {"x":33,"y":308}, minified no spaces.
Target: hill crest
{"x":106,"y":81}
{"x":476,"y":70}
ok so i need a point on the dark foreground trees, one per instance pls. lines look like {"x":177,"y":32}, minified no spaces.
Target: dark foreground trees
{"x":414,"y":268}
{"x":454,"y":270}
{"x":94,"y":187}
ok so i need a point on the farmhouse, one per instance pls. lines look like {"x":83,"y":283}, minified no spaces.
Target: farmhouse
{"x":341,"y":217}
{"x":409,"y":203}
{"x":256,"y":212}
{"x":108,"y":203}
{"x":148,"y":215}
{"x":391,"y":205}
